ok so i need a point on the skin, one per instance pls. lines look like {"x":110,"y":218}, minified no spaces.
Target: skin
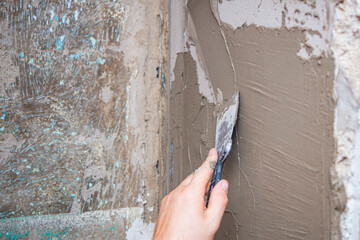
{"x":183,"y":214}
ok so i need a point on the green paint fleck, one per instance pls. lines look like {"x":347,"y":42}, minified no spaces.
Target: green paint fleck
{"x":54,"y":235}
{"x":14,"y":236}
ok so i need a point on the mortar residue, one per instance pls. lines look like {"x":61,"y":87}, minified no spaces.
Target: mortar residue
{"x":82,"y":89}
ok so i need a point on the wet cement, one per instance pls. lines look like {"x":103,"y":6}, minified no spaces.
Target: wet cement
{"x":279,"y":168}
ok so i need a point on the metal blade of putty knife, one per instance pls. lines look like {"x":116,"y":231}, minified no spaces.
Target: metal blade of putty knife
{"x":225,"y":124}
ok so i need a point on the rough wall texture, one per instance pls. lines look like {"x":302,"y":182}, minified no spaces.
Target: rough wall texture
{"x":81,"y":88}
{"x":346,"y":46}
{"x":277,"y":54}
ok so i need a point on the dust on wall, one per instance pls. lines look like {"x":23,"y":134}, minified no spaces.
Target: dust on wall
{"x":278,"y":56}
{"x":81,"y":90}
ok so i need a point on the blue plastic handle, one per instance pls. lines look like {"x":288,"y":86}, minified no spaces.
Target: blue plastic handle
{"x":222,"y":155}
{"x":215,"y":178}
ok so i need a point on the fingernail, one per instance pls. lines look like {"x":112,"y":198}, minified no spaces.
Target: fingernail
{"x":225,"y":186}
{"x":212,"y":152}
{"x":212,"y":164}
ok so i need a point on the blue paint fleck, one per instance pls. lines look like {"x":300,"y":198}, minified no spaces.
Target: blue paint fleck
{"x":117,"y":164}
{"x":52,"y":15}
{"x":3,"y":116}
{"x":93,"y":42}
{"x":60,"y":43}
{"x":14,"y":236}
{"x":57,"y":132}
{"x":99,"y":60}
{"x":163,"y":78}
{"x":64,"y":18}
{"x":76,"y":55}
{"x":76,"y":15}
{"x":54,"y":235}
{"x":172,"y":161}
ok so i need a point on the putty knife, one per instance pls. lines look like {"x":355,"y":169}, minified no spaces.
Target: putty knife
{"x":225,"y":124}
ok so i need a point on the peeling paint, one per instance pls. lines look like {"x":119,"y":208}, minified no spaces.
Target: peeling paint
{"x":309,"y":15}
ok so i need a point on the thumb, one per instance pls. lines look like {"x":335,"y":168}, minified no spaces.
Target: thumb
{"x":217,"y":204}
{"x":203,"y":174}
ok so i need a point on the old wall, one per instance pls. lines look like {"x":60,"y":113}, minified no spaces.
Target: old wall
{"x":279,"y":55}
{"x":81,"y":92}
{"x":346,"y":48}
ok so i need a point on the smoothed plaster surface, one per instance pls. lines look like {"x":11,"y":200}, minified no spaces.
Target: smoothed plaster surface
{"x":279,"y":168}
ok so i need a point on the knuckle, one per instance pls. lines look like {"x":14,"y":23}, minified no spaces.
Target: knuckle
{"x":222,"y":198}
{"x":171,"y":194}
{"x":164,"y":200}
{"x":187,"y":192}
{"x":225,"y":200}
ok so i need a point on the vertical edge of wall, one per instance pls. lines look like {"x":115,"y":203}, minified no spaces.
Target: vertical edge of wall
{"x":346,"y":48}
{"x":162,"y":166}
{"x":177,"y":29}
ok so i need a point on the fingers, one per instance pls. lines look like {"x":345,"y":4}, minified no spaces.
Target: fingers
{"x":203,"y":174}
{"x":207,"y":187}
{"x":217,"y":203}
{"x":186,"y":181}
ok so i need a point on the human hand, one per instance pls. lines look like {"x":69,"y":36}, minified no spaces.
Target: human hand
{"x":183,"y":214}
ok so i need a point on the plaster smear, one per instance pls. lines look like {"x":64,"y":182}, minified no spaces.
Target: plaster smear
{"x":205,"y":86}
{"x":284,"y":136}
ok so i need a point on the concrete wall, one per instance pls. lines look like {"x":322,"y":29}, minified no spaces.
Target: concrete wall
{"x":84,"y":112}
{"x":293,"y":170}
{"x":82,"y":87}
{"x":346,"y":48}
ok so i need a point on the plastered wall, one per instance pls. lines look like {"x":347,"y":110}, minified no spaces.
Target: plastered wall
{"x":292,"y":170}
{"x":82,"y":84}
